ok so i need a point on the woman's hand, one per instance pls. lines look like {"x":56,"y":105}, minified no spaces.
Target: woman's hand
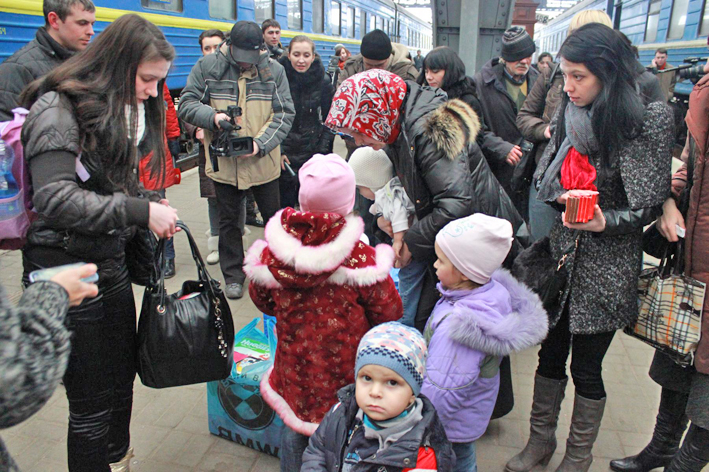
{"x":284,"y":161}
{"x":670,"y":219}
{"x":70,"y":280}
{"x":596,"y":225}
{"x":562,"y":199}
{"x":547,"y":133}
{"x":514,"y":156}
{"x":385,"y":225}
{"x":162,"y":220}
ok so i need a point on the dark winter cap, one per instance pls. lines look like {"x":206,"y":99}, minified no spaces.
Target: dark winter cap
{"x":376,"y":45}
{"x":517,"y":44}
{"x":246,"y":41}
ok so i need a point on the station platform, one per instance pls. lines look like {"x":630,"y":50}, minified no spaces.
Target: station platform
{"x":169,"y":427}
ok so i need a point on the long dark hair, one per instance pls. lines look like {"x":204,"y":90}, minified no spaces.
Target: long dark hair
{"x":99,"y":82}
{"x":618,"y":109}
{"x":443,"y":58}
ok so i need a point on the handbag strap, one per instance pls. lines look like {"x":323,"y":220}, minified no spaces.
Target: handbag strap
{"x":569,"y":251}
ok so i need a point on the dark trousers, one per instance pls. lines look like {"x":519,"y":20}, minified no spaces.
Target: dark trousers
{"x":586,"y":357}
{"x":101,"y":370}
{"x":230,"y":202}
{"x":289,"y":187}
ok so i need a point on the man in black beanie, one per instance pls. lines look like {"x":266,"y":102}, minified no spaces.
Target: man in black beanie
{"x":503,"y":84}
{"x":378,"y":52}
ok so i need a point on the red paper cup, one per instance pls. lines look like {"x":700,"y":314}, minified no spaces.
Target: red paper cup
{"x":580,"y":206}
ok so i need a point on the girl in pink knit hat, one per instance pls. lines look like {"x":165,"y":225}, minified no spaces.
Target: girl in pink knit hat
{"x":327,"y":289}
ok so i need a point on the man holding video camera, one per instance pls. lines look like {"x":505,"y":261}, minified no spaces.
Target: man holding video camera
{"x":241,"y":99}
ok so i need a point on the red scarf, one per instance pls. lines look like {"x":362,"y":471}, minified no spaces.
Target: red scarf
{"x":577,"y":173}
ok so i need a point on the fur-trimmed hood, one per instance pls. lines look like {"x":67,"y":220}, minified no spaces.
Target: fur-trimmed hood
{"x":305,"y":249}
{"x":501,"y":317}
{"x":451,"y":125}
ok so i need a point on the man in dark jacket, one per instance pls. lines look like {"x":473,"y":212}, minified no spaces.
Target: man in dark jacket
{"x":503,"y":84}
{"x":240,"y":74}
{"x":68,"y":28}
{"x":418,"y":61}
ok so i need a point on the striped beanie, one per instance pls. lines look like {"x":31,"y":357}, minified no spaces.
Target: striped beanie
{"x":517,"y":44}
{"x":396,"y":347}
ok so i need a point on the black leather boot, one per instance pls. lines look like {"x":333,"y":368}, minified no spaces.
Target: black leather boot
{"x":694,"y":454}
{"x":669,"y":428}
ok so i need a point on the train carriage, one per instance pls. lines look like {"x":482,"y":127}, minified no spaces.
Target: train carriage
{"x":327,"y":22}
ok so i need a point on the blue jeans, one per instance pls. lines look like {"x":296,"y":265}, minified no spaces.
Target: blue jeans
{"x":410,"y":286}
{"x":541,"y":216}
{"x":465,"y":460}
{"x":293,"y":446}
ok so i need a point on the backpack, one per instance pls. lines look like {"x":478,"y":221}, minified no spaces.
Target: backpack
{"x":16,"y":210}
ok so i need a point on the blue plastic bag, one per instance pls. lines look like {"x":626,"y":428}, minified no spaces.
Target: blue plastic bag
{"x":235,"y":407}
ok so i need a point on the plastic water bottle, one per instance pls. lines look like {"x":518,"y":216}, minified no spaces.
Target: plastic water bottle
{"x":8,"y":185}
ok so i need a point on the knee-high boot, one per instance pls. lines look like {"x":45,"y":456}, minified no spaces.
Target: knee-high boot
{"x":548,"y":395}
{"x":669,"y":428}
{"x":694,"y":453}
{"x":585,"y":423}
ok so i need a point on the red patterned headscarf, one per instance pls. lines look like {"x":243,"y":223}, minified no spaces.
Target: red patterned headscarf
{"x":370,"y":103}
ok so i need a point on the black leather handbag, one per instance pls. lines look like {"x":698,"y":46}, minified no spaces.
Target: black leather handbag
{"x":545,"y":275}
{"x":185,"y":337}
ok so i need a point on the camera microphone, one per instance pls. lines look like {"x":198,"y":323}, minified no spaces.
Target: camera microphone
{"x":225,"y":125}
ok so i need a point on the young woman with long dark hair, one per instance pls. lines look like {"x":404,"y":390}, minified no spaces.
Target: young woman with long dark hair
{"x":608,"y":140}
{"x":312,"y":92}
{"x":90,"y":121}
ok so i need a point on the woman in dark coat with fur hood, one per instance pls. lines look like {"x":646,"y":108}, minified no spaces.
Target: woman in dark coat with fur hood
{"x":428,"y":139}
{"x":312,"y":93}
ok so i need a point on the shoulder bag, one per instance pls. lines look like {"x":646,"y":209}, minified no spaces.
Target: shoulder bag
{"x":186,"y":337}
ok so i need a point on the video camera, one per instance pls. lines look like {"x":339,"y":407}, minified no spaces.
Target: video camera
{"x":227,"y":142}
{"x":692,"y":69}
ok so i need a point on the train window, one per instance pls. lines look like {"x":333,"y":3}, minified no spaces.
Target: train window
{"x":335,"y":20}
{"x":346,"y":21}
{"x":295,"y":14}
{"x":350,"y":22}
{"x":704,"y":26}
{"x":263,"y":10}
{"x":164,"y":5}
{"x":653,"y":17}
{"x":678,"y":19}
{"x":222,"y":9}
{"x":363,"y":22}
{"x":318,"y":16}
{"x":372,"y":22}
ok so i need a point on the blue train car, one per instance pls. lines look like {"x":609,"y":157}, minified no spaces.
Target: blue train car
{"x":327,"y":22}
{"x":680,"y":26}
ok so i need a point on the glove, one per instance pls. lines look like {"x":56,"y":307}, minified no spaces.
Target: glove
{"x":174,"y":147}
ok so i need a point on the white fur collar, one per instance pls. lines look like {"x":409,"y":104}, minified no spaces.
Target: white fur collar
{"x":312,"y":259}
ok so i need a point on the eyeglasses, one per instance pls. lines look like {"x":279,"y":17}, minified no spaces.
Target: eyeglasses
{"x":344,"y":136}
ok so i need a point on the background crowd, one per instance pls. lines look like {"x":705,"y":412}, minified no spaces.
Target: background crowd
{"x":450,"y":178}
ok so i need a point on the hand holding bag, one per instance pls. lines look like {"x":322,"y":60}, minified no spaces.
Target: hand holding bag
{"x":186,"y":337}
{"x":671,"y":303}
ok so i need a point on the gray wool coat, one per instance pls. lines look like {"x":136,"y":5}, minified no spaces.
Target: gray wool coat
{"x":603,"y":273}
{"x":34,"y":351}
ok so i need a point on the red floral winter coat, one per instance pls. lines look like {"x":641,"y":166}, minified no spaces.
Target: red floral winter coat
{"x":327,"y":289}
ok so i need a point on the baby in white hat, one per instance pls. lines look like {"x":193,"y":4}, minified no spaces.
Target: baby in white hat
{"x":374,"y":176}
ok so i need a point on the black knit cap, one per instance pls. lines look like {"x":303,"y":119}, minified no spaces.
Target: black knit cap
{"x":376,"y":45}
{"x":517,"y":44}
{"x":246,"y":41}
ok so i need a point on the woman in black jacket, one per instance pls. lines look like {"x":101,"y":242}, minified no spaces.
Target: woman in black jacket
{"x":312,"y":93}
{"x":90,"y":121}
{"x":428,"y":140}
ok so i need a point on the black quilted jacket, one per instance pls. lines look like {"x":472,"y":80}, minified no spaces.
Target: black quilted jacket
{"x":91,"y":219}
{"x":33,"y":61}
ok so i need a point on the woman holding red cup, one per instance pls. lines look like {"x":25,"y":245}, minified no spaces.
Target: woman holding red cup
{"x":608,"y":146}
